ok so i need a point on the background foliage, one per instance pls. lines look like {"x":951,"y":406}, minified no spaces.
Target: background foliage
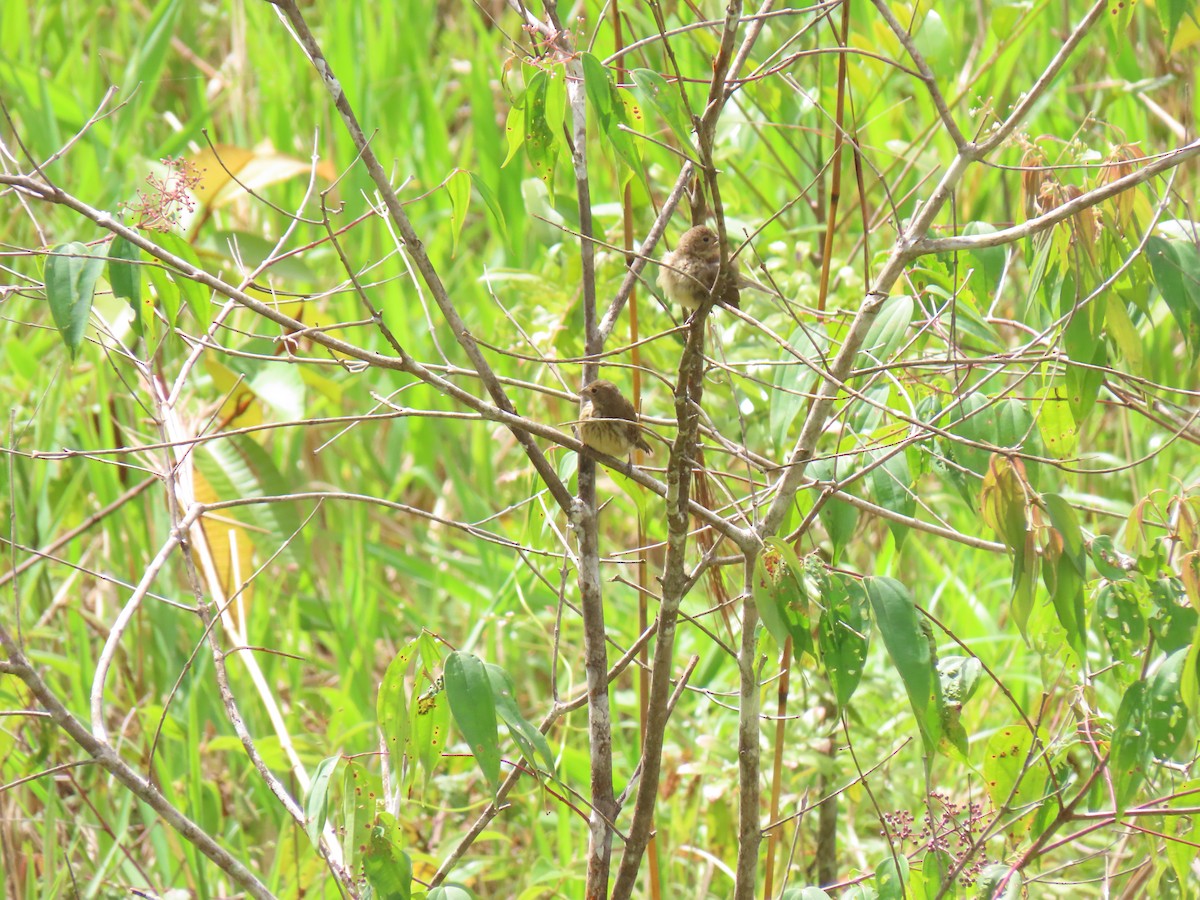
{"x":1018,"y":688}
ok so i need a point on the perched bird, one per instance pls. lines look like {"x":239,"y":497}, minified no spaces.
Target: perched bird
{"x":689,"y":272}
{"x":608,"y":422}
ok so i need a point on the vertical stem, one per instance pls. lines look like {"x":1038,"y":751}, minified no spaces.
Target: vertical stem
{"x":785,"y":670}
{"x":835,"y":187}
{"x":674,"y":586}
{"x":749,"y":829}
{"x":586,"y":523}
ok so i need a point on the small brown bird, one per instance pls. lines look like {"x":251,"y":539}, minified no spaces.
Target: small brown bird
{"x":689,"y":272}
{"x":608,"y":422}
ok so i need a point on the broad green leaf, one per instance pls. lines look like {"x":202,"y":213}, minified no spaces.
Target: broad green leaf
{"x":492,"y":203}
{"x":1130,"y":745}
{"x":1106,"y":559}
{"x":458,"y":186}
{"x":1176,"y":268}
{"x":1166,"y":714}
{"x":1055,"y":422}
{"x":1123,"y":626}
{"x":809,"y":892}
{"x":429,"y":728}
{"x":838,"y":517}
{"x":541,"y":141}
{"x":1002,"y":501}
{"x":514,"y":130}
{"x":1123,"y":333}
{"x":316,"y":804}
{"x":992,"y":877}
{"x":123,"y":273}
{"x":891,"y":877}
{"x":1066,"y":524}
{"x":610,"y":111}
{"x":532,"y":742}
{"x":387,"y":867}
{"x":391,"y":708}
{"x":843,"y":634}
{"x":1183,"y":852}
{"x":197,"y":297}
{"x":973,"y":420}
{"x":959,"y":676}
{"x":781,"y":598}
{"x":1189,"y":679}
{"x":888,"y":332}
{"x":1065,"y":586}
{"x":71,"y":273}
{"x":665,"y":98}
{"x":449,"y":892}
{"x":908,"y":647}
{"x":474,"y":709}
{"x":934,"y":868}
{"x":1009,"y":769}
{"x":794,"y":381}
{"x":990,"y":260}
{"x":892,"y":486}
{"x":1172,"y":621}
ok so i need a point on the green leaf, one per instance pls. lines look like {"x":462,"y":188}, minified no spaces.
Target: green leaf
{"x":781,"y":598}
{"x":1066,"y":523}
{"x":429,"y":727}
{"x":809,"y":892}
{"x":843,"y":634}
{"x":974,"y":422}
{"x":1176,"y":268}
{"x":892,"y":485}
{"x":532,"y":742}
{"x":387,"y":867}
{"x":514,"y":130}
{"x":658,"y":93}
{"x":889,"y":330}
{"x":1123,"y":626}
{"x":908,"y":647}
{"x":391,"y":708}
{"x":1189,"y":679}
{"x":492,"y":203}
{"x":196,"y":296}
{"x":1106,"y":559}
{"x":1183,"y":851}
{"x":1130,"y":745}
{"x":316,"y":805}
{"x":458,"y":186}
{"x":449,"y":892}
{"x":891,"y":877}
{"x":610,"y":111}
{"x":1007,"y":769}
{"x":123,"y":275}
{"x":1055,"y":422}
{"x":794,"y":381}
{"x":838,"y":517}
{"x":474,"y":709}
{"x":1171,"y":13}
{"x":71,"y":273}
{"x":1166,"y":714}
{"x":959,"y":677}
{"x":541,"y":142}
{"x":990,"y":260}
{"x":990,"y":879}
{"x":1172,"y":621}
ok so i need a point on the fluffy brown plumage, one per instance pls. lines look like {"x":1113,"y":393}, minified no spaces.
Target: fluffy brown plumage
{"x":689,"y":272}
{"x":608,"y":422}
